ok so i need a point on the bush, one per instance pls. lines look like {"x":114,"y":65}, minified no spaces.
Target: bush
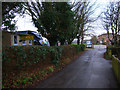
{"x":113,"y":51}
{"x":23,"y":56}
{"x":23,"y":65}
{"x":109,"y":47}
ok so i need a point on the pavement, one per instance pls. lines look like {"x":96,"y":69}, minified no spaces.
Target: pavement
{"x":90,"y":70}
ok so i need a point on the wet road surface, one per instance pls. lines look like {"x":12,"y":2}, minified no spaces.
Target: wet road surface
{"x":90,"y":70}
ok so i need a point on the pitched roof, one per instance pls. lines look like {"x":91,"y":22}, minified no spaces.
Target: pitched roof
{"x":105,"y":34}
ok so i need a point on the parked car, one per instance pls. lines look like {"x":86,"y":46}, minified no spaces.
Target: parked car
{"x":88,"y":44}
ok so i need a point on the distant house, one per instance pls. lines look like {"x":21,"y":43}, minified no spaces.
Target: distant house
{"x":16,"y":39}
{"x":103,"y":39}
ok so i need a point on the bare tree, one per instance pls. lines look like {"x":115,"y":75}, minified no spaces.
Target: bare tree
{"x":83,"y":20}
{"x":111,"y":21}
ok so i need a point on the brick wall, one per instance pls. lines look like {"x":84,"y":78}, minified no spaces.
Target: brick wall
{"x":104,"y":39}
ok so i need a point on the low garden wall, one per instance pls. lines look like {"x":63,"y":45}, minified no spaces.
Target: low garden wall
{"x":22,"y":66}
{"x":116,"y":67}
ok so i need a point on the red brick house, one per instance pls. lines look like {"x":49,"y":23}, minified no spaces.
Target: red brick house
{"x":103,"y":39}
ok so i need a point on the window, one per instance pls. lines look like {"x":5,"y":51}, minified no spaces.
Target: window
{"x":15,"y":40}
{"x":30,"y":42}
{"x":23,"y":42}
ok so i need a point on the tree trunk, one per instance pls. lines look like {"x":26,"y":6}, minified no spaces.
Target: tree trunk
{"x":109,"y":38}
{"x":82,"y":38}
{"x":62,"y":42}
{"x":70,"y":41}
{"x":119,"y":40}
{"x":78,"y":40}
{"x":51,"y":41}
{"x":115,"y":40}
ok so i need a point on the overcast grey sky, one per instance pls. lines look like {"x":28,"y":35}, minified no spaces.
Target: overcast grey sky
{"x":26,"y":24}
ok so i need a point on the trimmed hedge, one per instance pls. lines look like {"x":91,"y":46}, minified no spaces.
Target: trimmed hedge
{"x":27,"y":56}
{"x":113,"y":51}
{"x":116,"y":51}
{"x":25,"y":64}
{"x":23,"y":56}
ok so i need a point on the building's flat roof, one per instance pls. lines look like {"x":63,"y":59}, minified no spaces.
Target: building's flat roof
{"x":18,"y":33}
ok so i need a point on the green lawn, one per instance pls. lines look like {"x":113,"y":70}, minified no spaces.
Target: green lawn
{"x":74,"y":44}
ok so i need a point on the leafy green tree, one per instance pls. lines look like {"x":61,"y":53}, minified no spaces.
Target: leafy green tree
{"x":65,"y":18}
{"x":53,"y":20}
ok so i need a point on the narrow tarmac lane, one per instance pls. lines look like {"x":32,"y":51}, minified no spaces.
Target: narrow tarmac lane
{"x":90,"y":70}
